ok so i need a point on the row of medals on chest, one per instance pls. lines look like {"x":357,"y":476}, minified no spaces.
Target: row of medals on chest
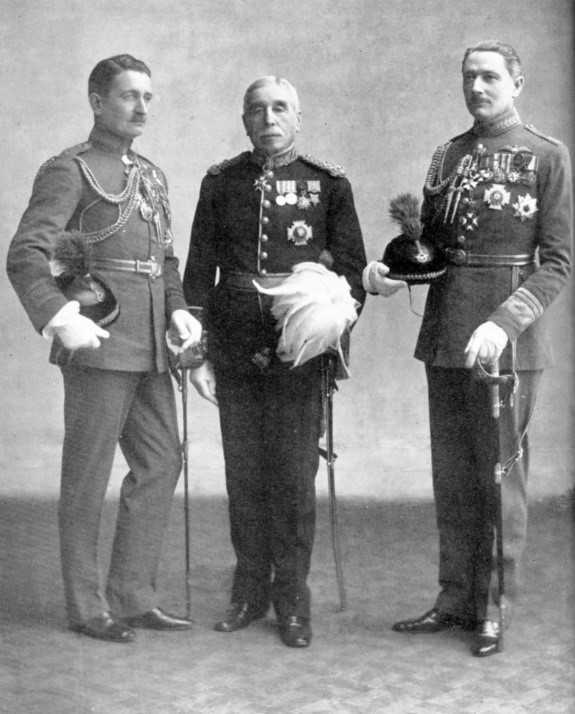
{"x":302,"y":194}
{"x":514,"y":165}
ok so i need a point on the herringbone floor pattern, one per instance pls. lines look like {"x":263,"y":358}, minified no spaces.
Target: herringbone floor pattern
{"x":355,"y":664}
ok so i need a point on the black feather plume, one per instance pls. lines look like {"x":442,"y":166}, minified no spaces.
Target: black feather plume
{"x":71,"y":254}
{"x":404,"y":210}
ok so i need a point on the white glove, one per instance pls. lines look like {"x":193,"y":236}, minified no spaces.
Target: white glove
{"x":185,"y":330}
{"x":74,"y":330}
{"x":486,"y":344}
{"x":375,"y":281}
{"x":204,"y":381}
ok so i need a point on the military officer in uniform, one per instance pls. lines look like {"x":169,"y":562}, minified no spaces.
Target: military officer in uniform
{"x":258,"y":215}
{"x":116,"y":381}
{"x":498,"y":204}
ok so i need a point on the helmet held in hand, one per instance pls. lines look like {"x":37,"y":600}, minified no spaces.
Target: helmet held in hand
{"x":407,"y":256}
{"x":70,"y":265}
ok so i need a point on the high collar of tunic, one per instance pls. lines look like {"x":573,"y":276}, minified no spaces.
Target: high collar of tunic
{"x":106,"y":141}
{"x":277,"y":160}
{"x":503,"y":123}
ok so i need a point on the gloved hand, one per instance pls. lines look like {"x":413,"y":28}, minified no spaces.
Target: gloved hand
{"x":204,"y":381}
{"x":375,"y":281}
{"x":486,"y":344}
{"x":74,"y":330}
{"x":184,"y":330}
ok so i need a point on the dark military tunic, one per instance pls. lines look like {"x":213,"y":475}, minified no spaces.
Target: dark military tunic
{"x":498,"y":204}
{"x":254,"y":221}
{"x":120,"y":392}
{"x":257,"y":219}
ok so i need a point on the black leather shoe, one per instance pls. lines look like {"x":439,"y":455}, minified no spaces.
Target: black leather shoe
{"x":433,"y":621}
{"x":239,"y":616}
{"x":157,"y":619}
{"x":295,"y":631}
{"x":487,"y":639}
{"x":105,"y":627}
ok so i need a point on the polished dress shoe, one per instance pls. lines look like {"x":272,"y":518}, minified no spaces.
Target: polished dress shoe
{"x":487,"y":641}
{"x":295,"y":631}
{"x":157,"y":619}
{"x":239,"y":616}
{"x":433,"y":621}
{"x":105,"y":627}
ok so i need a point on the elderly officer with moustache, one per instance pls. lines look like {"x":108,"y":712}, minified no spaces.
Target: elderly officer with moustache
{"x":258,"y":215}
{"x":94,"y":250}
{"x":498,"y":206}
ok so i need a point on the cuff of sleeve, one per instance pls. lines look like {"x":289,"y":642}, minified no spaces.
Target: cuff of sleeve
{"x":518,"y":312}
{"x":174,"y":303}
{"x":61,"y":318}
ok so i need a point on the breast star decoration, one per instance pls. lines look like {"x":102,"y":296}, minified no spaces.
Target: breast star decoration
{"x":525,"y":207}
{"x":496,"y":197}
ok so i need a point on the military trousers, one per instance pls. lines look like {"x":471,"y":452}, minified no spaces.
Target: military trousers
{"x":104,"y":408}
{"x":270,"y":425}
{"x":463,"y":451}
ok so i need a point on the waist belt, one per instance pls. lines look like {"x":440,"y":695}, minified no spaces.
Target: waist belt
{"x":458,"y":256}
{"x":244,"y":281}
{"x":142,"y":267}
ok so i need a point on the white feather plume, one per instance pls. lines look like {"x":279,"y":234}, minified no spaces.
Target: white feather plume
{"x":313,"y":307}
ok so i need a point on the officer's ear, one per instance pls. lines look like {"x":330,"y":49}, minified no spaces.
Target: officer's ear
{"x":518,"y":82}
{"x":95,"y":102}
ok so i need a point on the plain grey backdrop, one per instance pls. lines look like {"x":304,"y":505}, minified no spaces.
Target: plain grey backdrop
{"x":380,"y":87}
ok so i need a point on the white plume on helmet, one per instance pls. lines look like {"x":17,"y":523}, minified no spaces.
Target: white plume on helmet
{"x":313,"y":307}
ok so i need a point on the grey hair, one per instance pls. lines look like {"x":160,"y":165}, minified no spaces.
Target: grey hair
{"x":264,"y":82}
{"x":512,"y":61}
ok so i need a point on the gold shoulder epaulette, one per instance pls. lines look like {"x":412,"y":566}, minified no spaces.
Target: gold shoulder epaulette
{"x":332,"y":169}
{"x":218,"y":168}
{"x":535,"y":131}
{"x":66,"y":154}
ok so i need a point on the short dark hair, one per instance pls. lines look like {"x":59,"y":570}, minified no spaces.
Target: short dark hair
{"x":512,"y":61}
{"x":102,"y":76}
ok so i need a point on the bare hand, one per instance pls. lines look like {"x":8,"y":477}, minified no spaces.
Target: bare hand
{"x":204,"y":382}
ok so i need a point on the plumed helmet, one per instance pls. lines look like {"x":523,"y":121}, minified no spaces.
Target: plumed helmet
{"x":70,"y":265}
{"x":314,"y":309}
{"x":407,"y":256}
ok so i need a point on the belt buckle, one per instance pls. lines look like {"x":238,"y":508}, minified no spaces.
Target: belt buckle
{"x":151,"y":268}
{"x":155,"y":269}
